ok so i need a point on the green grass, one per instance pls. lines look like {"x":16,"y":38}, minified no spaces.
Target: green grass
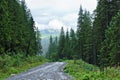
{"x":84,"y":71}
{"x":28,"y":63}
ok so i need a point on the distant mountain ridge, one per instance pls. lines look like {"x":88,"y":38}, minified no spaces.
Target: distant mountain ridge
{"x":50,"y":31}
{"x":45,"y":35}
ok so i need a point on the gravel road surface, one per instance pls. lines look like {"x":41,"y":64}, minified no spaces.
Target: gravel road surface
{"x":48,"y":71}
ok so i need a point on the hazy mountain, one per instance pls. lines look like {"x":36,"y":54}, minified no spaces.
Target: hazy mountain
{"x":45,"y":35}
{"x":50,"y":31}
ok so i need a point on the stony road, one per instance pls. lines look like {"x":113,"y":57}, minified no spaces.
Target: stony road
{"x":48,"y":71}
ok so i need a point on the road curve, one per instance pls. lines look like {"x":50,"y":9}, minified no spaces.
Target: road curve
{"x":48,"y":71}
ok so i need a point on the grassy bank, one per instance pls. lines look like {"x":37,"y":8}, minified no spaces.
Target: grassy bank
{"x":10,"y":65}
{"x":84,"y":71}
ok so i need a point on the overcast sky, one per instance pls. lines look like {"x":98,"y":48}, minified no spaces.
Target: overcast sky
{"x":57,"y":13}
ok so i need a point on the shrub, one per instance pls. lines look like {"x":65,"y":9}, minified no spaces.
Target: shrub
{"x":85,"y":71}
{"x":18,"y":59}
{"x":5,"y":62}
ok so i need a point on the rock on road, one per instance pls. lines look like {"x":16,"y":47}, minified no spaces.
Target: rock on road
{"x":48,"y":71}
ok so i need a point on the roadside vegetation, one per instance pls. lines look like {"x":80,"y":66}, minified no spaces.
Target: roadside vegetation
{"x":14,"y":65}
{"x":81,"y":70}
{"x":20,"y":40}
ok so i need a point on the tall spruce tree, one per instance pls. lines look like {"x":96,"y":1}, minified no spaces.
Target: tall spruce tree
{"x":79,"y":40}
{"x":86,"y":36}
{"x":99,"y":26}
{"x":110,"y":51}
{"x":73,"y":44}
{"x":61,"y":44}
{"x":36,"y":43}
{"x":4,"y":13}
{"x":106,"y":9}
{"x":50,"y":48}
{"x":66,"y":49}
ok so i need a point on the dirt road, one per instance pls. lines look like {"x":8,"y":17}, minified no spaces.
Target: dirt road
{"x":48,"y":71}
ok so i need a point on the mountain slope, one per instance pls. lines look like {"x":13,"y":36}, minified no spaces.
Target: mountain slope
{"x":45,"y":35}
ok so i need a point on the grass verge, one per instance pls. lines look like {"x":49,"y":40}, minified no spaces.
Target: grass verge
{"x":28,"y":63}
{"x":84,"y":71}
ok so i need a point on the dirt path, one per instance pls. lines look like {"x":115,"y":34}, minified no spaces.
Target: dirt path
{"x":48,"y":71}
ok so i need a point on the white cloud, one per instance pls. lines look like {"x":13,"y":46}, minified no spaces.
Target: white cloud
{"x":57,"y":24}
{"x":57,"y":13}
{"x":40,"y":26}
{"x":53,"y":4}
{"x":70,"y":17}
{"x":53,"y":24}
{"x":62,"y":5}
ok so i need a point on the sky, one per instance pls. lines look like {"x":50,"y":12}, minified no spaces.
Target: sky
{"x":53,"y":14}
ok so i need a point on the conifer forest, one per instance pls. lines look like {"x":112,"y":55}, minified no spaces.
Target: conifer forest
{"x":96,"y":41}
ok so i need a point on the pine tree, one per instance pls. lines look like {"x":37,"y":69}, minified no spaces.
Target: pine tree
{"x":37,"y":42}
{"x":79,"y":40}
{"x":110,"y":51}
{"x":4,"y":13}
{"x":66,"y":49}
{"x":86,"y":33}
{"x":73,"y":44}
{"x":84,"y":47}
{"x":106,"y":9}
{"x":61,"y":44}
{"x":99,"y":26}
{"x":50,"y":48}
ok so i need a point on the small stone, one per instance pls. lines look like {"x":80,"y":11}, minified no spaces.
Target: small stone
{"x":13,"y":75}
